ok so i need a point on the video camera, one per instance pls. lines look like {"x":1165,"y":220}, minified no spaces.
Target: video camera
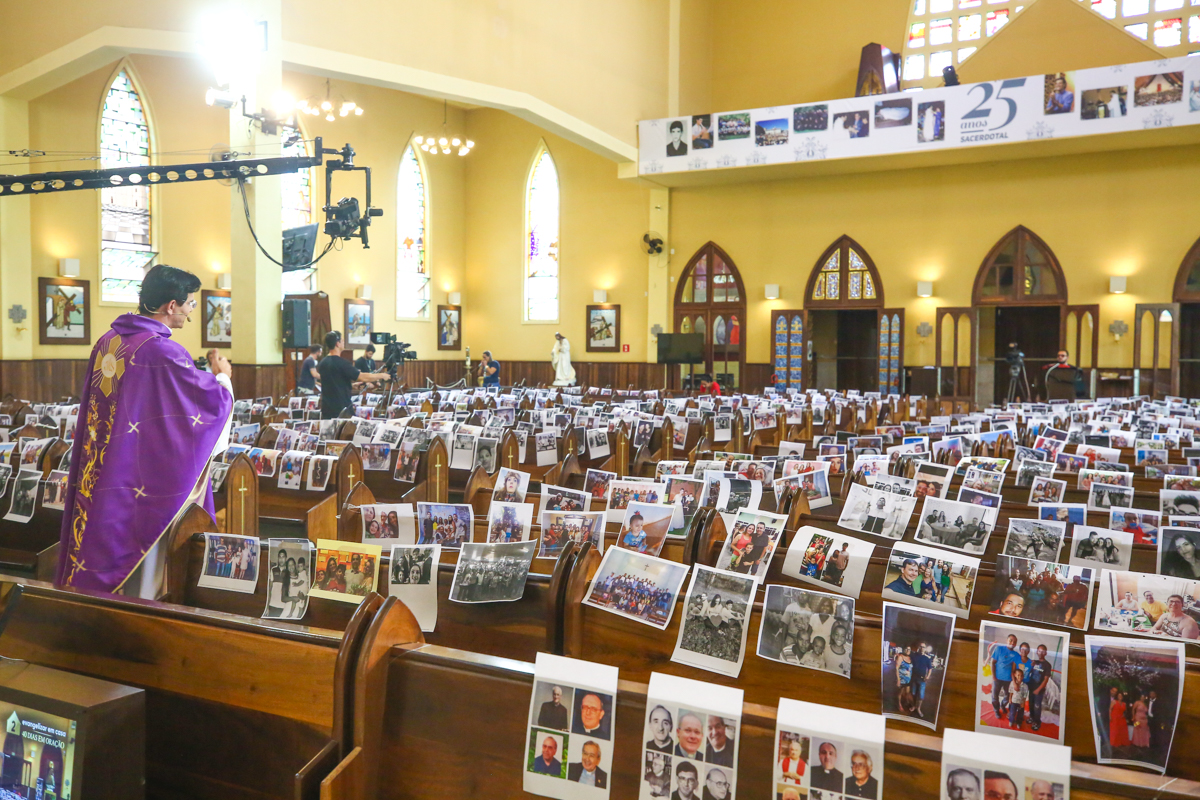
{"x":394,"y":353}
{"x":1015,"y":358}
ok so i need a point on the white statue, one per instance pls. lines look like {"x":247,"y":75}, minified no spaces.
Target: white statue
{"x":560,"y":359}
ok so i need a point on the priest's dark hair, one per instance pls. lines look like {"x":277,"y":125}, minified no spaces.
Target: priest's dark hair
{"x":163,"y":284}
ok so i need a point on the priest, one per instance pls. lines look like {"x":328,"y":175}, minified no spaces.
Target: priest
{"x":560,"y":359}
{"x":149,"y":421}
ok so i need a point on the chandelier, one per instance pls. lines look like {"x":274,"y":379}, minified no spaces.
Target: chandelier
{"x":315,"y":106}
{"x":444,"y":143}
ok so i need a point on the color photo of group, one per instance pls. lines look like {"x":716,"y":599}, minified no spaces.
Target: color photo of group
{"x":637,"y":586}
{"x":230,"y":562}
{"x":345,"y":571}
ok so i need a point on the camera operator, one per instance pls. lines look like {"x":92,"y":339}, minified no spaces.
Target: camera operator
{"x":366,"y":362}
{"x":489,"y":368}
{"x":337,"y":377}
{"x":308,"y":371}
{"x":1060,"y":378}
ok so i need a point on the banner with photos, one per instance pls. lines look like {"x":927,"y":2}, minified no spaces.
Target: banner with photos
{"x":1126,"y":97}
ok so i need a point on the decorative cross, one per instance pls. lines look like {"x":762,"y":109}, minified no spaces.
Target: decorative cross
{"x":351,"y":475}
{"x":242,"y":492}
{"x":139,"y":492}
{"x":17,"y":313}
{"x":133,"y":427}
{"x":195,"y":418}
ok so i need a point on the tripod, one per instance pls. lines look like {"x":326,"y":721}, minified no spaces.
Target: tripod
{"x":1018,"y":381}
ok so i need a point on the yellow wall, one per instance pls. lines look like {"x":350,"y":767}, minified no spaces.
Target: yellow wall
{"x":601,"y":224}
{"x":192,"y":222}
{"x":1122,"y":213}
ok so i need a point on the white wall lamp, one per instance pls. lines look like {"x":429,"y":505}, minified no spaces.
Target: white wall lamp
{"x":599,"y":296}
{"x":772,"y":291}
{"x":454,"y":298}
{"x":1117,"y":284}
{"x":68,"y":268}
{"x":924,"y":288}
{"x":363,"y":292}
{"x":224,"y":280}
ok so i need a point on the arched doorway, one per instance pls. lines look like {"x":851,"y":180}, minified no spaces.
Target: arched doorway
{"x":853,"y":342}
{"x":1187,"y":296}
{"x":1020,"y":295}
{"x":710,"y":299}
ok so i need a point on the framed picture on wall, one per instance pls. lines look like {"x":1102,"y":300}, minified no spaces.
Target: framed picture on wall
{"x":64,"y":316}
{"x":360,"y":318}
{"x":604,"y":329}
{"x":217,"y":330}
{"x":449,"y":327}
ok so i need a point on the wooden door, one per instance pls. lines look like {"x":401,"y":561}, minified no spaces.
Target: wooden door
{"x":1080,"y":337}
{"x":1156,"y":349}
{"x":955,"y":345}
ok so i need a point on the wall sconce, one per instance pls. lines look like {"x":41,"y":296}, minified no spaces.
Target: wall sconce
{"x":1116,"y":284}
{"x":1118,"y":328}
{"x":68,"y":268}
{"x":363,"y":292}
{"x":224,"y":280}
{"x":924,"y":330}
{"x":772,"y":291}
{"x":454,"y":298}
{"x":924,"y":288}
{"x":599,"y":296}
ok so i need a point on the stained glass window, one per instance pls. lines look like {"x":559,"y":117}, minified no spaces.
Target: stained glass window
{"x":126,"y":248}
{"x":1168,"y":32}
{"x":541,"y":241}
{"x":996,"y":20}
{"x":1194,"y":29}
{"x":914,"y":67}
{"x":930,"y":45}
{"x":1167,"y":5}
{"x":844,"y":275}
{"x":412,"y":267}
{"x":916,"y":35}
{"x":937,"y":6}
{"x":1132,"y":8}
{"x":970,"y":27}
{"x":1141,"y":30}
{"x":941,"y":31}
{"x":1105,"y":8}
{"x":939,"y":61}
{"x":295,"y":190}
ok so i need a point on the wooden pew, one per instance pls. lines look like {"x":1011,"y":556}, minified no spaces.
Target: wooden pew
{"x":235,"y":707}
{"x":30,"y":549}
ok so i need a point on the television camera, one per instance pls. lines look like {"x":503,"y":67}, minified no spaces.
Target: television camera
{"x":394,"y":353}
{"x":1018,"y":381}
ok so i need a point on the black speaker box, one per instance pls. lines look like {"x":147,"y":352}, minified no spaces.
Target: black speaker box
{"x":297,"y":323}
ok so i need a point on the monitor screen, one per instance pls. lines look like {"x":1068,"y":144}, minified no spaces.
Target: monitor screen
{"x":38,"y":756}
{"x":298,"y":246}
{"x":680,"y":348}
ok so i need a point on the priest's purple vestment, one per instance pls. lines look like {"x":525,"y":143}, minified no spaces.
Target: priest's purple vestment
{"x":148,"y":423}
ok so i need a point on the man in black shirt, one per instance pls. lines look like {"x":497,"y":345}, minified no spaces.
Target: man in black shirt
{"x":308,"y":370}
{"x":366,"y":362}
{"x":337,"y":377}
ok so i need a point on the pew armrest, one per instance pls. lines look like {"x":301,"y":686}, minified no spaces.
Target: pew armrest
{"x":313,"y":774}
{"x":348,"y":780}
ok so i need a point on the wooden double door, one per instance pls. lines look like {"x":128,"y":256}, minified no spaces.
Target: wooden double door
{"x":842,"y":349}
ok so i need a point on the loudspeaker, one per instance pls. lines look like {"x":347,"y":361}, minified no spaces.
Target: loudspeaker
{"x":297,"y":323}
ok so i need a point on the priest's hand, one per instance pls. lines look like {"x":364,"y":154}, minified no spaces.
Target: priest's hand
{"x":219,"y":364}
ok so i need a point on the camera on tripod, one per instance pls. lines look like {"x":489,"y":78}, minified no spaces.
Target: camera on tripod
{"x":1015,"y":359}
{"x":1018,"y":381}
{"x":394,"y":353}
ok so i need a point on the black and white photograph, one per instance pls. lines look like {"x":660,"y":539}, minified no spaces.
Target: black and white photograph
{"x":736,"y":494}
{"x":509,"y":522}
{"x":462,"y":455}
{"x":959,"y":526}
{"x":1102,"y":497}
{"x":230,"y":562}
{"x":319,"y":470}
{"x":828,"y":560}
{"x":1178,"y":553}
{"x":24,"y":496}
{"x":1046,"y":490}
{"x":1142,"y":604}
{"x":807,"y":628}
{"x":511,"y":486}
{"x":490,"y":573}
{"x":640,"y":587}
{"x":55,"y":495}
{"x":1029,"y":469}
{"x":916,"y":652}
{"x":716,"y":618}
{"x":1178,"y":503}
{"x":1101,"y":547}
{"x":1136,"y":690}
{"x":289,"y":578}
{"x":412,"y":579}
{"x":931,"y":578}
{"x":905,"y":487}
{"x":597,"y":443}
{"x":722,"y":427}
{"x":1042,"y":591}
{"x":487,"y":454}
{"x":545,"y":445}
{"x":871,"y":511}
{"x":1040,"y":539}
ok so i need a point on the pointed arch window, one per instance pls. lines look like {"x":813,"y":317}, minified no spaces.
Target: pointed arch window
{"x":1021,"y":268}
{"x":126,"y":238}
{"x":296,"y":194}
{"x":844,"y":277}
{"x":541,"y":240}
{"x":412,"y":266}
{"x":710,"y":299}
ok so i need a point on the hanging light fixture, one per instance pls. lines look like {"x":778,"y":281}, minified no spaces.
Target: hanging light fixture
{"x":444,"y":143}
{"x":317,"y":106}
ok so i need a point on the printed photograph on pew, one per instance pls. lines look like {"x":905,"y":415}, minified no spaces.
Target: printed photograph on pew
{"x":392,"y":521}
{"x":750,"y":543}
{"x":683,"y":495}
{"x":449,"y":525}
{"x":560,"y":527}
{"x":930,"y":577}
{"x":1033,"y":590}
{"x":1136,"y":692}
{"x":511,"y":486}
{"x":596,"y":483}
{"x":289,"y":579}
{"x":56,"y":490}
{"x":644,"y":529}
{"x":345,"y":571}
{"x":716,"y":619}
{"x":806,"y":628}
{"x":875,"y":511}
{"x":828,"y":559}
{"x":1044,"y":489}
{"x":915,"y":662}
{"x":825,"y":751}
{"x":291,"y":469}
{"x":319,"y":470}
{"x":230,"y":562}
{"x":1160,"y":606}
{"x":989,"y":767}
{"x":412,"y":580}
{"x":694,"y":727}
{"x":492,"y":573}
{"x":1101,"y":547}
{"x":1022,"y":681}
{"x":1034,"y":538}
{"x":640,"y":587}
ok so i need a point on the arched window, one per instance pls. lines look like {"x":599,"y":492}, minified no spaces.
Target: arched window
{"x":126,"y":246}
{"x":541,"y":240}
{"x":844,"y":277}
{"x":710,"y":300}
{"x":296,"y":194}
{"x":1021,"y":269}
{"x":1187,"y":280}
{"x":412,"y":267}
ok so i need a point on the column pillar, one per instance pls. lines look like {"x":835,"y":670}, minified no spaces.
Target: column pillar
{"x":257,"y":281}
{"x":658,"y":286}
{"x":16,"y":249}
